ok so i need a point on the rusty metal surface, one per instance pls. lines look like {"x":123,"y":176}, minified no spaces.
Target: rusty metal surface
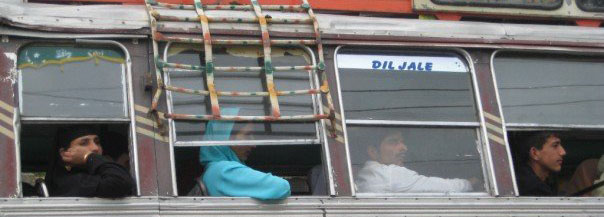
{"x":8,"y":158}
{"x":499,"y":153}
{"x":108,"y":19}
{"x":77,"y":18}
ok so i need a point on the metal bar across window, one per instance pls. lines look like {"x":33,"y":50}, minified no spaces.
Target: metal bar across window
{"x":247,"y":142}
{"x":413,"y":123}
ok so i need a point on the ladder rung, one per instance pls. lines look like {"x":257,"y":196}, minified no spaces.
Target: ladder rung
{"x":291,"y":8}
{"x":246,"y":118}
{"x":237,"y":93}
{"x":232,"y":19}
{"x":161,"y":37}
{"x":235,"y":68}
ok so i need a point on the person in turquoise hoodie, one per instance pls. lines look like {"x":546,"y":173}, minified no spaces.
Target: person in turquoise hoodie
{"x":225,"y":173}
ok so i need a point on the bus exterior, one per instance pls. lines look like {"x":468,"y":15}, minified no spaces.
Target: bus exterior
{"x":318,"y":87}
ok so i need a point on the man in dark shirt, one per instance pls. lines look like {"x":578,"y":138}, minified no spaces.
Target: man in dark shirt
{"x":542,"y":155}
{"x":80,"y":170}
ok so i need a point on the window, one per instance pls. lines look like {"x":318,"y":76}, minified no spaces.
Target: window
{"x":70,"y":81}
{"x":70,"y":85}
{"x":411,"y":122}
{"x":286,"y":149}
{"x":559,"y":93}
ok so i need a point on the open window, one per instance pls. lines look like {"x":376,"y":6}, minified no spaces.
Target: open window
{"x":286,"y":149}
{"x":63,"y":85}
{"x":411,"y":122}
{"x":560,"y":93}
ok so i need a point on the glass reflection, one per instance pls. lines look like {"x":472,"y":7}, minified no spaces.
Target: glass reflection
{"x":415,"y":160}
{"x":536,"y":87}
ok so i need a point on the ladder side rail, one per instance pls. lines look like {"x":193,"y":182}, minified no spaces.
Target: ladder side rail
{"x":209,"y":63}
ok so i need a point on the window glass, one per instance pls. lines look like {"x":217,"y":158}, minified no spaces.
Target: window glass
{"x":243,"y":82}
{"x":405,"y":86}
{"x":550,"y":88}
{"x":415,"y":160}
{"x":68,"y":81}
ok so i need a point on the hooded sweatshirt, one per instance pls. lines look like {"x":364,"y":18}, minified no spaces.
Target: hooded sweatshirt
{"x":226,"y":175}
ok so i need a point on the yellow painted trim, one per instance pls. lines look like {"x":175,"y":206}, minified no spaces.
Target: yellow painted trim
{"x":141,"y":108}
{"x":496,"y":138}
{"x":6,"y":107}
{"x":151,"y":134}
{"x":492,"y":117}
{"x":6,"y":119}
{"x":7,"y":132}
{"x":94,"y":56}
{"x":494,"y":128}
{"x":145,"y":121}
{"x":145,"y":110}
{"x":339,"y":138}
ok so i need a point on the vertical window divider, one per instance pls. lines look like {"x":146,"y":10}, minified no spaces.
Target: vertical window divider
{"x":503,"y":124}
{"x":485,"y":140}
{"x":344,"y":126}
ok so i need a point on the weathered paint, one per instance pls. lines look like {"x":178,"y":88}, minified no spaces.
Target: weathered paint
{"x":8,"y":160}
{"x":495,"y":134}
{"x":147,"y":161}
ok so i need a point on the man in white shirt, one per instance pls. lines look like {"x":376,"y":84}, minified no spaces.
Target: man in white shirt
{"x":385,"y":173}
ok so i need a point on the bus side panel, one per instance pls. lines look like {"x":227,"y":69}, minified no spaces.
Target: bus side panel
{"x":337,"y":148}
{"x":8,"y":160}
{"x":493,"y":122}
{"x":144,"y":125}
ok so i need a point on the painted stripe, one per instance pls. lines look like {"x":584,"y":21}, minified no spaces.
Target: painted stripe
{"x":492,"y":117}
{"x":338,"y":116}
{"x":496,"y":138}
{"x":141,"y":108}
{"x":145,"y":121}
{"x":151,"y":134}
{"x":494,"y":128}
{"x":339,"y":138}
{"x":6,"y":107}
{"x":6,"y":119}
{"x":338,"y":126}
{"x":7,"y":132}
{"x":145,"y":110}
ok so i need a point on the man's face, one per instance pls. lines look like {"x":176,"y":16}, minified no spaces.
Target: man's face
{"x":392,"y":150}
{"x":551,"y":155}
{"x":90,"y":142}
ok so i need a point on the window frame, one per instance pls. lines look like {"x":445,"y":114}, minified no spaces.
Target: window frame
{"x":319,"y":139}
{"x":128,"y":97}
{"x":527,"y":127}
{"x":486,"y":161}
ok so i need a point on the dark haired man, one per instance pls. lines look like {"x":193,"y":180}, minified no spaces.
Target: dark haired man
{"x":542,"y":155}
{"x":80,"y":170}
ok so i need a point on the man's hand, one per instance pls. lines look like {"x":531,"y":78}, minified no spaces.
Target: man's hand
{"x":74,"y":156}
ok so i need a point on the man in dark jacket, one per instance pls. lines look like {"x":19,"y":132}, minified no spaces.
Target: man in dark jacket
{"x":80,"y":170}
{"x":542,"y":155}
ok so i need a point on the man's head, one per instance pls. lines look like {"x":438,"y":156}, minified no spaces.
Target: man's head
{"x":545,"y":152}
{"x":390,"y":150}
{"x":82,"y":137}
